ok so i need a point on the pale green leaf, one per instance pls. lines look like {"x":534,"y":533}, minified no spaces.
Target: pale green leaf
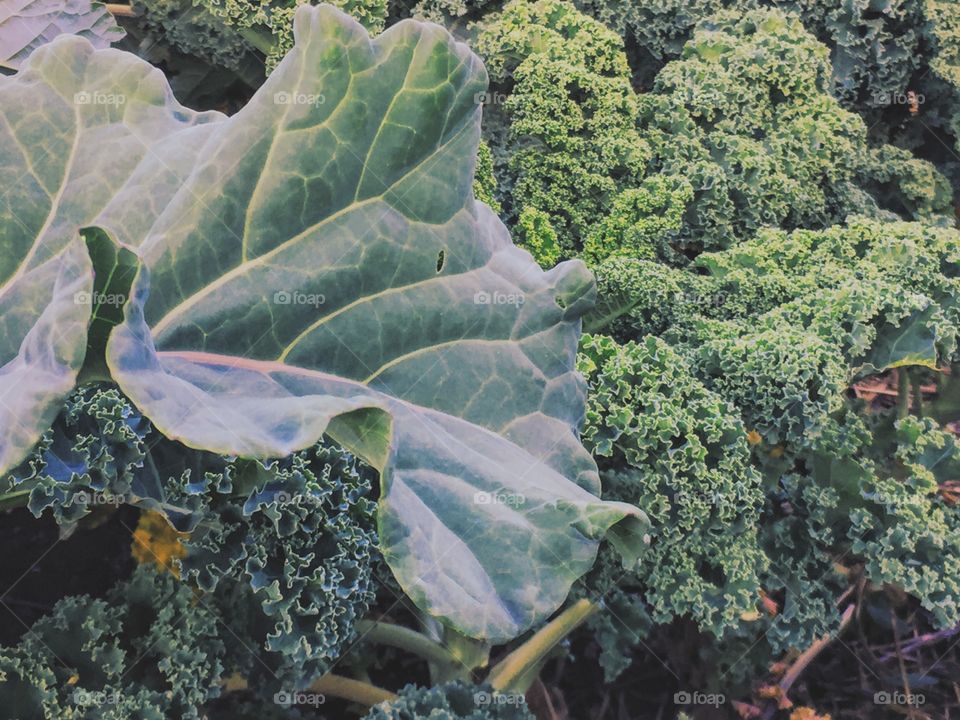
{"x":77,"y":130}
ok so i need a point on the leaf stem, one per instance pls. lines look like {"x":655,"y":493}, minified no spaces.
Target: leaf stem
{"x":14,"y":499}
{"x":514,"y":667}
{"x":903,"y":393}
{"x":808,"y":656}
{"x":261,"y":40}
{"x":916,"y":386}
{"x":406,"y":639}
{"x":353,"y":690}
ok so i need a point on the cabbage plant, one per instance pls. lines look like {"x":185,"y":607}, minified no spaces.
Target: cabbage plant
{"x":315,"y":264}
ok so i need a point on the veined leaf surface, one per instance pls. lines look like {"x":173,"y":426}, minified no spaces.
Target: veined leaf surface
{"x":75,"y":128}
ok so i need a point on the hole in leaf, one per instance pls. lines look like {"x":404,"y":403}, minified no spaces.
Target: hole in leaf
{"x":440,"y":260}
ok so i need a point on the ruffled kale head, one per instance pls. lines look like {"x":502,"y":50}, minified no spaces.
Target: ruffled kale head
{"x":292,"y":556}
{"x":572,"y":139}
{"x":908,"y":526}
{"x":287,"y":545}
{"x":224,"y":31}
{"x":679,"y":451}
{"x":746,"y":116}
{"x":99,"y":451}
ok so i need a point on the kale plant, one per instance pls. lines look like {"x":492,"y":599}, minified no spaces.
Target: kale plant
{"x":739,"y":133}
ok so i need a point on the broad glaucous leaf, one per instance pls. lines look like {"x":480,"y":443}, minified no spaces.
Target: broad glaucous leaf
{"x":76,"y":128}
{"x":317,"y":264}
{"x":25,"y":25}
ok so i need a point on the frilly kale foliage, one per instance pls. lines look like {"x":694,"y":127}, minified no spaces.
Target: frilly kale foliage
{"x":148,"y":650}
{"x":765,"y":340}
{"x":874,"y":53}
{"x":224,"y":31}
{"x":292,"y":541}
{"x":303,"y":541}
{"x":679,"y":451}
{"x":193,"y":30}
{"x":738,"y":133}
{"x":453,"y":701}
{"x":269,"y":23}
{"x":908,"y":533}
{"x":746,"y":116}
{"x":573,"y":139}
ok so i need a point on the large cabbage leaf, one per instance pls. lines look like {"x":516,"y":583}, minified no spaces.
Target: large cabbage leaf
{"x":70,"y":143}
{"x":25,"y":25}
{"x":43,"y":329}
{"x":317,"y":264}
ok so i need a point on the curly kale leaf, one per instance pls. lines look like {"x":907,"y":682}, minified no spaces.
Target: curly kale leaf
{"x":145,"y":651}
{"x":781,"y":324}
{"x":746,"y":117}
{"x":739,"y":133}
{"x":268,"y":24}
{"x":572,"y":139}
{"x":680,"y":451}
{"x":101,"y":451}
{"x":873,"y":53}
{"x":193,"y":30}
{"x":303,"y":542}
{"x":907,"y":533}
{"x":292,"y":540}
{"x":779,"y":327}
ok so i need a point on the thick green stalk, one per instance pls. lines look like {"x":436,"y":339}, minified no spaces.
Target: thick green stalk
{"x":259,"y":38}
{"x":513,"y":669}
{"x":406,"y":639}
{"x":14,"y":499}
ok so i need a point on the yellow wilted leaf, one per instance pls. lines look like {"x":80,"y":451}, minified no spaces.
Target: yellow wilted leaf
{"x":155,"y":541}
